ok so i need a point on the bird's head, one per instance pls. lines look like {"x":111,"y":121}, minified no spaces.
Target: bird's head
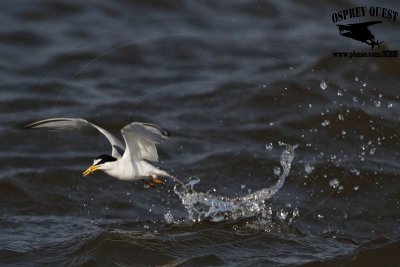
{"x":102,"y":162}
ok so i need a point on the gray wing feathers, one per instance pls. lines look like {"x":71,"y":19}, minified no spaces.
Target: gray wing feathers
{"x":141,"y":140}
{"x":78,"y":124}
{"x":59,"y":124}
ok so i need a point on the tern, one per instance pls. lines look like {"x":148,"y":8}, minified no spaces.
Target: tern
{"x":126,"y":162}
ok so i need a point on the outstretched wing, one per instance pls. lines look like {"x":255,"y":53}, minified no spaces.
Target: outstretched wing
{"x":366,"y":24}
{"x":78,"y":124}
{"x":141,"y":140}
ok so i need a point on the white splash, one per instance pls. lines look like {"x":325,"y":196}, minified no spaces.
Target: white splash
{"x":308,"y":168}
{"x":334,"y":183}
{"x":206,"y":206}
{"x":323,"y":85}
{"x":269,"y":146}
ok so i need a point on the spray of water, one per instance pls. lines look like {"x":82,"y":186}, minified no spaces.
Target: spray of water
{"x":207,"y":206}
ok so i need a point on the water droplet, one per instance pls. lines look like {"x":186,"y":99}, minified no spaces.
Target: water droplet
{"x":364,"y":84}
{"x":355,"y":99}
{"x":295,"y":213}
{"x":334,"y":183}
{"x":356,"y":79}
{"x":325,"y":123}
{"x":277,"y":171}
{"x":356,"y":187}
{"x":308,"y":168}
{"x":269,"y":146}
{"x":377,"y":103}
{"x":282,"y":214}
{"x":390,"y":105}
{"x":354,"y":170}
{"x":341,"y":117}
{"x":169,"y":218}
{"x":372,"y":151}
{"x":243,"y":186}
{"x":339,"y":93}
{"x":320,"y":216}
{"x":323,"y":85}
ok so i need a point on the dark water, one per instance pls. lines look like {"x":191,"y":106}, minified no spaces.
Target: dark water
{"x":230,"y":81}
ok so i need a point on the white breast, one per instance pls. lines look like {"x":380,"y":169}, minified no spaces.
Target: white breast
{"x":124,"y":170}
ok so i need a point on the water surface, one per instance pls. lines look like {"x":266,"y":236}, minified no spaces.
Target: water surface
{"x":231,"y":82}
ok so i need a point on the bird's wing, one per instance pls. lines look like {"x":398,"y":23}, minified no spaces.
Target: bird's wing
{"x":356,"y":25}
{"x":141,"y":140}
{"x":369,"y":23}
{"x":77,"y":124}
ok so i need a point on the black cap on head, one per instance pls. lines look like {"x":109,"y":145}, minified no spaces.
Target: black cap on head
{"x":104,"y":158}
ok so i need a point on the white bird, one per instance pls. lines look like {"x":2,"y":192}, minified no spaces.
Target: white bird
{"x":127,"y":162}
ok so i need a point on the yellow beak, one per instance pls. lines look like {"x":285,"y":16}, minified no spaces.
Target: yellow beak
{"x":90,"y":170}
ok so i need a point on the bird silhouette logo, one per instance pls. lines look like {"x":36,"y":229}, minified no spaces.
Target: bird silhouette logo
{"x":360,"y":32}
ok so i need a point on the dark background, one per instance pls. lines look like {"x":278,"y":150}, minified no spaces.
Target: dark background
{"x":226,"y":79}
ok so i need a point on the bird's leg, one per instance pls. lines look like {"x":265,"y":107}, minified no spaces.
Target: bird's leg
{"x":155,"y":180}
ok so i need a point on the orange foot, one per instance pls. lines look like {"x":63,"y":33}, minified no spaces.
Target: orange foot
{"x":148,"y":184}
{"x":155,"y":180}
